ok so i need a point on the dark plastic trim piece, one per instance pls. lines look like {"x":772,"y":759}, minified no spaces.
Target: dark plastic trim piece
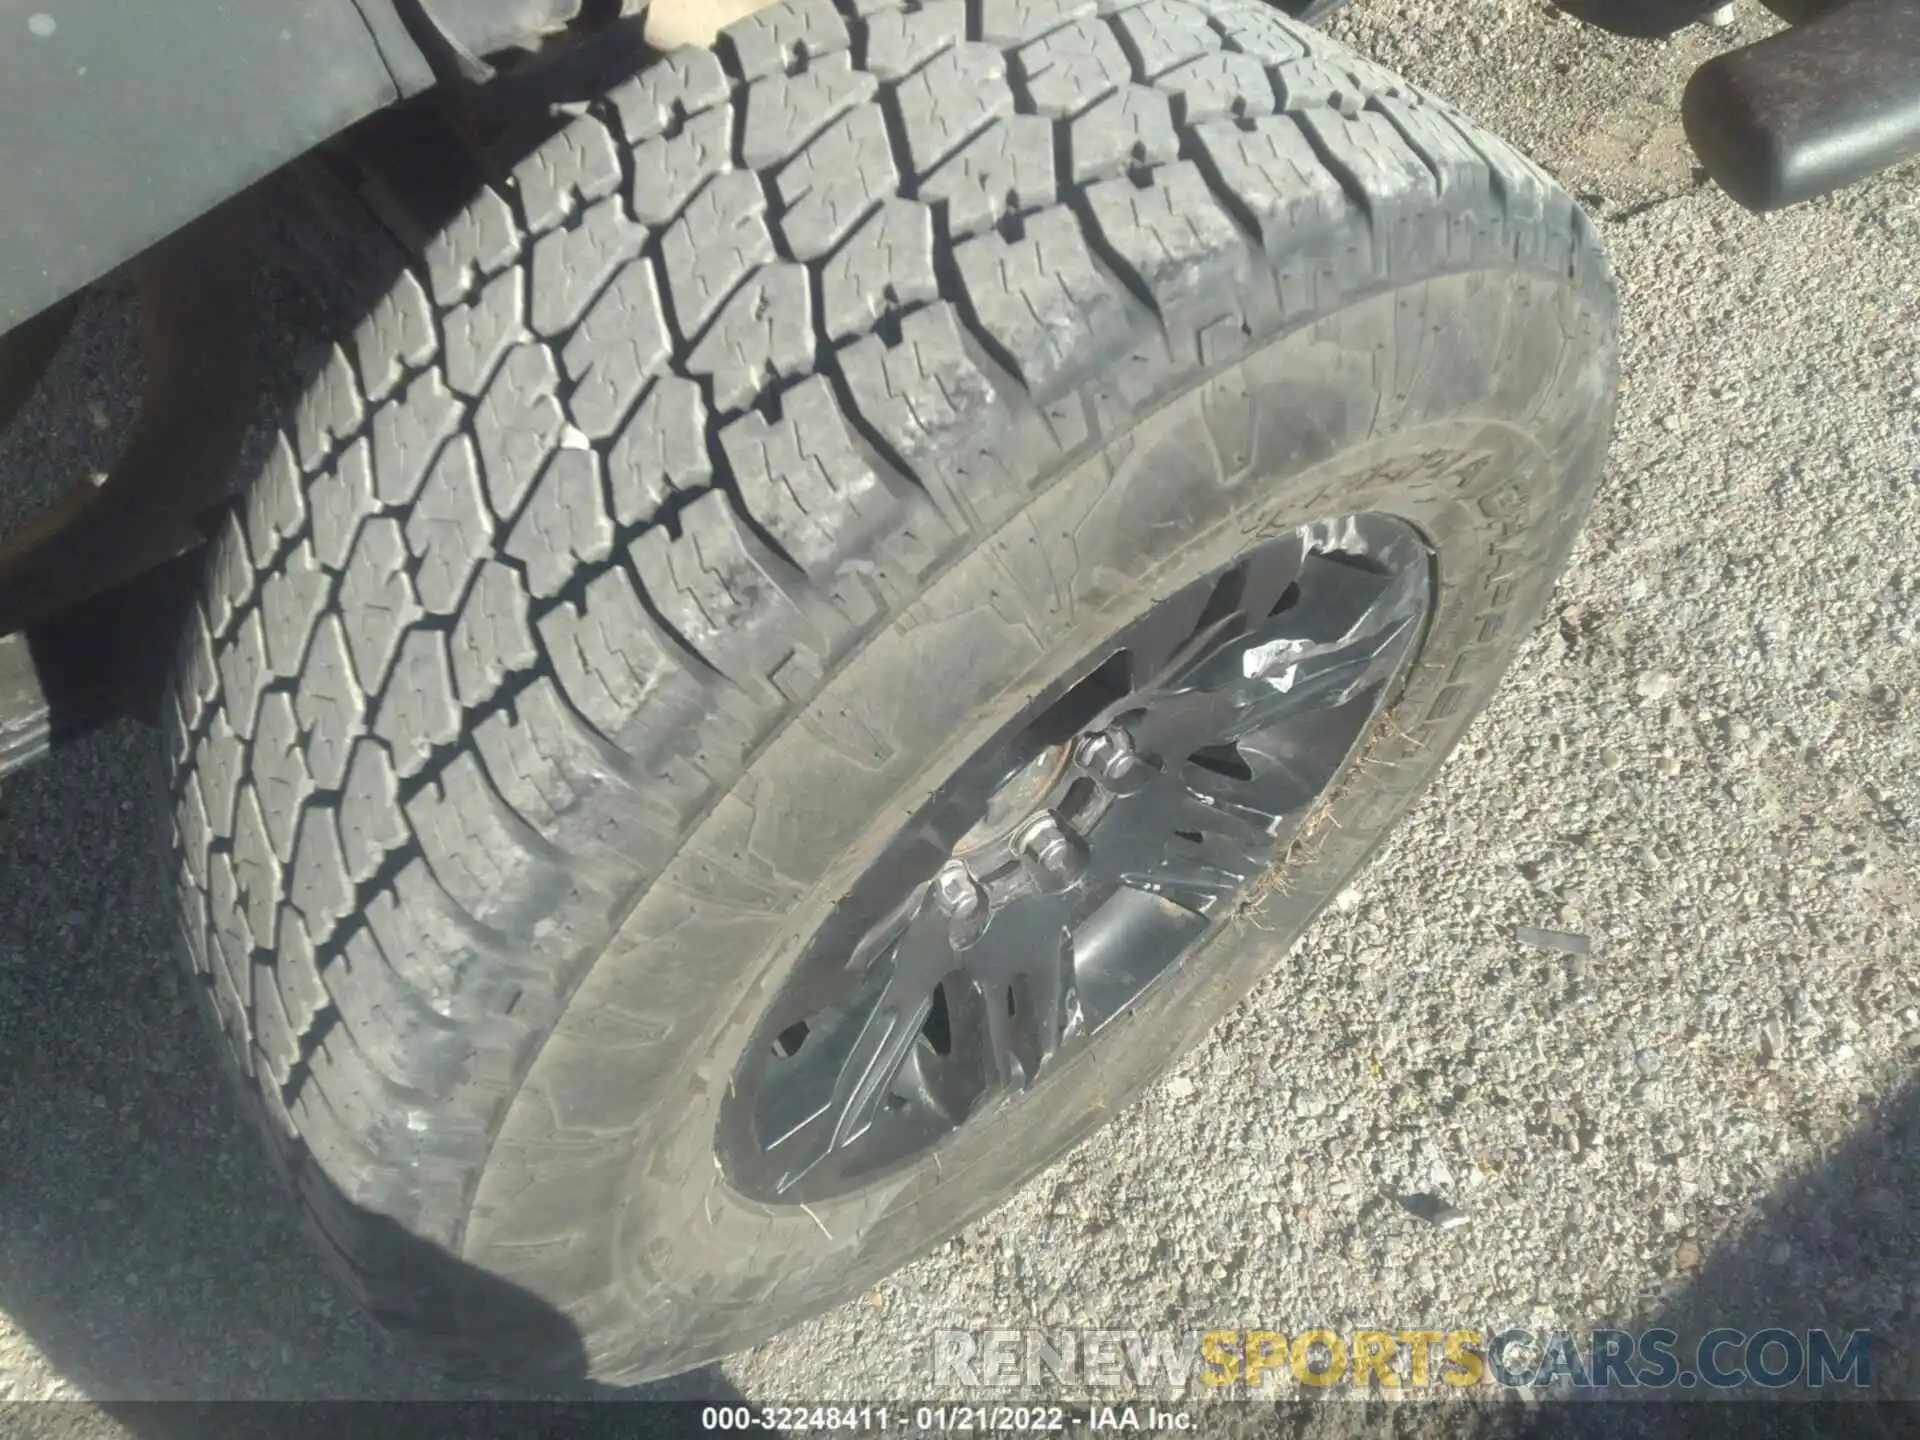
{"x":1644,"y":19}
{"x":1813,"y":108}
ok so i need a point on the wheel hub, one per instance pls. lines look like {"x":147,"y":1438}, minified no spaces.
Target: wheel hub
{"x":1074,"y":860}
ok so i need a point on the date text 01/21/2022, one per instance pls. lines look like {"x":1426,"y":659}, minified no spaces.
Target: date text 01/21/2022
{"x":942,"y":1419}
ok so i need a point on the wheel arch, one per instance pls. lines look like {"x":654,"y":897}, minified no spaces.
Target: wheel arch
{"x":126,"y":123}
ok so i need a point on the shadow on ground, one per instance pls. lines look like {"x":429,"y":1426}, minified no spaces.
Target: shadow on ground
{"x":146,"y":1247}
{"x":1836,"y":1248}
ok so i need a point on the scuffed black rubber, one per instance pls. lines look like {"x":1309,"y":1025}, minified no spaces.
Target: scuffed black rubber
{"x":591,"y":508}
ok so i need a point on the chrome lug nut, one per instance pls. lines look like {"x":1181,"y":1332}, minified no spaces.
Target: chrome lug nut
{"x":1053,"y":854}
{"x":1109,"y":757}
{"x":961,"y":899}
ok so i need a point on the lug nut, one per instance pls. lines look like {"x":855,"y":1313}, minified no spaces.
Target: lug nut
{"x":1053,"y":853}
{"x":961,"y":899}
{"x":1111,"y":760}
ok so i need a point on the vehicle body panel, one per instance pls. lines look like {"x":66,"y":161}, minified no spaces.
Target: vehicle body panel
{"x":124,"y":122}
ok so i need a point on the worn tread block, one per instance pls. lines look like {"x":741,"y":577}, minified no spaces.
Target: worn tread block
{"x":763,"y":333}
{"x":417,"y":711}
{"x":329,"y":703}
{"x":318,"y":885}
{"x":331,"y":412}
{"x":296,"y":975}
{"x":377,"y":602}
{"x":1225,"y":85}
{"x":805,"y":482}
{"x":1015,"y":22}
{"x":218,"y":763}
{"x":396,"y":1032}
{"x":564,"y":525}
{"x":492,"y":638}
{"x":661,"y":449}
{"x":620,"y":344}
{"x":571,"y":266}
{"x":256,"y":871}
{"x":621,"y":674}
{"x":711,"y":248}
{"x":1384,"y":176}
{"x":370,"y":820}
{"x":1041,"y":299}
{"x":784,"y":112}
{"x":669,"y":171}
{"x":1131,"y":127}
{"x":579,"y":165}
{"x":340,"y":498}
{"x":1317,"y":83}
{"x":780,"y":37}
{"x":230,"y":578}
{"x":1460,"y":174}
{"x":1007,"y":167}
{"x":190,"y":920}
{"x":193,"y":832}
{"x":408,"y":435}
{"x":439,"y":955}
{"x":956,"y":95}
{"x":1175,"y":241}
{"x":723,"y":593}
{"x":481,"y":240}
{"x":275,"y":505}
{"x":450,"y":530}
{"x":273,"y":1036}
{"x":899,"y":42}
{"x":661,"y":97}
{"x":548,"y":769}
{"x":1074,"y":68}
{"x":1258,"y":31}
{"x":244,"y":673}
{"x":473,"y":846}
{"x":517,"y":424}
{"x":397,"y":336}
{"x":198,"y":679}
{"x":230,"y":1006}
{"x":233,"y":945}
{"x":886,"y":266}
{"x":1275,"y":179}
{"x":836,"y":180}
{"x":480,"y":333}
{"x":280,"y":774}
{"x":1165,"y":35}
{"x":291,"y":599}
{"x":920,"y":392}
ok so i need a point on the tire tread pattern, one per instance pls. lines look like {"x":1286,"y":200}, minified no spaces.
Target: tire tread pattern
{"x":653,"y":437}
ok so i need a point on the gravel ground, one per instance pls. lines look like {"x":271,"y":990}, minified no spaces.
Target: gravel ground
{"x":1705,"y":760}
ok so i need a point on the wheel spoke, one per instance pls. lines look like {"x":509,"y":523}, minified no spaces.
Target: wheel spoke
{"x":1053,"y":878}
{"x":1008,"y":1071}
{"x":1155,"y":643}
{"x":1311,"y":658}
{"x":1176,"y":724}
{"x":1266,"y":575}
{"x":1122,"y":945}
{"x":867,"y":1067}
{"x":1028,"y":942}
{"x":1266,"y":796}
{"x":917,"y":1086}
{"x":1169,"y":842}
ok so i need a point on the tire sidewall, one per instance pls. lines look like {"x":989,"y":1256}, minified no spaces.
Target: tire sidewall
{"x":666,"y":1266}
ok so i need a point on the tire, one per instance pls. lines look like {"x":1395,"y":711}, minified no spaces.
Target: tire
{"x":795,"y":412}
